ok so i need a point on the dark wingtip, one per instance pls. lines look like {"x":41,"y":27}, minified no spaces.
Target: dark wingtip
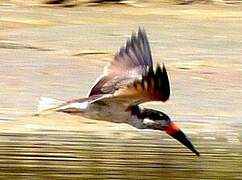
{"x":163,"y":67}
{"x":166,"y":82}
{"x":141,"y":30}
{"x":163,"y":82}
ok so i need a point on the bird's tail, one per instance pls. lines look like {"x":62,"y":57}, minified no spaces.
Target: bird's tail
{"x":47,"y":105}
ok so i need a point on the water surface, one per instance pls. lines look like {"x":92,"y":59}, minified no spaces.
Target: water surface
{"x":60,"y":52}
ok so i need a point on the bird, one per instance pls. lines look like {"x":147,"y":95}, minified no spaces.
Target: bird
{"x":128,"y":81}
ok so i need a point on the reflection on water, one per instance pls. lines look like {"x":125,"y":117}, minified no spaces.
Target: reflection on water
{"x":50,"y":154}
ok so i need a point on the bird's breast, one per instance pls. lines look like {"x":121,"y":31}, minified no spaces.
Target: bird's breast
{"x":107,"y":112}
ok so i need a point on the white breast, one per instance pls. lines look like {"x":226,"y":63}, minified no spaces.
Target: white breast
{"x":112,"y":112}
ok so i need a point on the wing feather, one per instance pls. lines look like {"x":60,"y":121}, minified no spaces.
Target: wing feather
{"x":136,"y":54}
{"x":130,"y":77}
{"x":129,"y":64}
{"x":154,"y":86}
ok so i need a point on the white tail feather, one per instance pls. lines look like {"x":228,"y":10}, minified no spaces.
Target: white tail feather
{"x":48,"y":105}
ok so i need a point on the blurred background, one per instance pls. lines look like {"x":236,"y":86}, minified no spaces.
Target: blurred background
{"x":57,"y":48}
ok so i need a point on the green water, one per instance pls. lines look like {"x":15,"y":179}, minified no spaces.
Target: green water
{"x":78,"y":154}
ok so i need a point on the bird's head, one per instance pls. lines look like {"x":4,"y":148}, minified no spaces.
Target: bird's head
{"x":157,"y":120}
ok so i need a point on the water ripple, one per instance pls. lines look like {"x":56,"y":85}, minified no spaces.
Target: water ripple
{"x":80,"y":154}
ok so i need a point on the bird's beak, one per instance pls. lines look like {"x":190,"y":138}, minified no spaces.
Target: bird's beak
{"x":176,"y":133}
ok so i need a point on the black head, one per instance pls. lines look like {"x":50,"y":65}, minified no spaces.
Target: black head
{"x":134,"y":109}
{"x":157,"y":120}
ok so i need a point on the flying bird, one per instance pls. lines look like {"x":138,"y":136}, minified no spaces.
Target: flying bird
{"x":129,"y":80}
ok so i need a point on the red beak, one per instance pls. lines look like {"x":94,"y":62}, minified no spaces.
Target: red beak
{"x":177,"y":134}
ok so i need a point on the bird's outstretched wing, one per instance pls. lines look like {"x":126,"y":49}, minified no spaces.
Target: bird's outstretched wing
{"x":130,"y":77}
{"x":128,"y":65}
{"x":135,"y":55}
{"x":153,"y":86}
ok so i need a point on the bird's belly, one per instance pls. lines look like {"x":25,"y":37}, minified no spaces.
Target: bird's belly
{"x":108,"y":112}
